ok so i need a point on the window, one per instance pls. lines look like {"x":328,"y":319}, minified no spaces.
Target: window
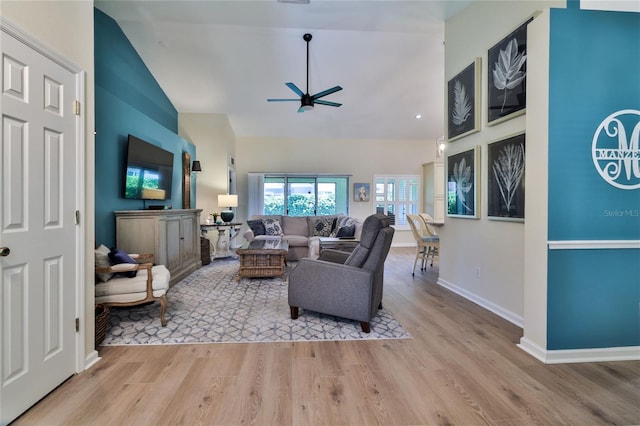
{"x":273,"y":196}
{"x":397,"y":196}
{"x":298,"y":195}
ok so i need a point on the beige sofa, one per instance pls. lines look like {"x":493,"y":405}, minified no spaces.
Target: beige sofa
{"x":303,"y":232}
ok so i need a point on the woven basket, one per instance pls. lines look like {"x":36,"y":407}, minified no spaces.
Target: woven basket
{"x":205,"y":251}
{"x":102,"y":320}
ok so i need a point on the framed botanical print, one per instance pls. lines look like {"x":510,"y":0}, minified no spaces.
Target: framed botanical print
{"x":507,"y":76}
{"x":463,"y":94}
{"x":463,"y":184}
{"x":505,"y":182}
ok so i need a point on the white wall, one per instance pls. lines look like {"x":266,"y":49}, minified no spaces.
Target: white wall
{"x":484,"y":259}
{"x":66,"y":27}
{"x":535,"y":244}
{"x":360,"y":158}
{"x":215,"y":145}
{"x":617,"y":5}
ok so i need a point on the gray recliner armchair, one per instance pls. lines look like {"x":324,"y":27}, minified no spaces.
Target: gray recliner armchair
{"x":342,"y":284}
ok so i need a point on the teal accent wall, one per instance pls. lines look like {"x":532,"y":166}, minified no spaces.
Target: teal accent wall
{"x":593,"y":294}
{"x":593,"y":299}
{"x":594,"y":72}
{"x":128,"y":100}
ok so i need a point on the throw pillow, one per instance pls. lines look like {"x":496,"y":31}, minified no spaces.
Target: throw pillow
{"x":348,"y":231}
{"x":272,"y":227}
{"x":257,"y":226}
{"x":322,"y":227}
{"x":102,"y":260}
{"x":118,"y":256}
{"x":344,"y":221}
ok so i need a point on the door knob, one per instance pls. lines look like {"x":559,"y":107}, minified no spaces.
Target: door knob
{"x":5,"y":251}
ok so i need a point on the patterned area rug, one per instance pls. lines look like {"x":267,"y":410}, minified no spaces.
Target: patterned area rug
{"x":211,"y":306}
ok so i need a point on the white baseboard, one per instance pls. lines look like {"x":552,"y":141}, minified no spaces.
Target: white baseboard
{"x":532,"y":349}
{"x":567,"y":356}
{"x":91,"y":359}
{"x":498,"y":310}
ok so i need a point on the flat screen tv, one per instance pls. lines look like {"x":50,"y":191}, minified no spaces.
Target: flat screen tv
{"x":149,"y":172}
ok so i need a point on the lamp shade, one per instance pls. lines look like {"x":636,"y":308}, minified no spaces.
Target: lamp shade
{"x":227,"y":200}
{"x":195,"y":167}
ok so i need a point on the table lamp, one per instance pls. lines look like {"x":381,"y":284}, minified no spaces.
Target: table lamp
{"x":228,"y":200}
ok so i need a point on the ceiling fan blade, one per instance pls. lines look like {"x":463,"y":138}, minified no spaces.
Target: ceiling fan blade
{"x":300,"y":109}
{"x":282,"y":100}
{"x":326,"y":92}
{"x":294,"y":88}
{"x":321,"y":102}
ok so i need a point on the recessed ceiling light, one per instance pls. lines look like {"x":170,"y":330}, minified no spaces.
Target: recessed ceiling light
{"x":419,"y":116}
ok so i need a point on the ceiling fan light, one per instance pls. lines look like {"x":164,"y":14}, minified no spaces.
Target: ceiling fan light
{"x":306,"y":102}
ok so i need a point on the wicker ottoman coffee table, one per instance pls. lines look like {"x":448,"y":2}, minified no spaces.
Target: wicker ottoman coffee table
{"x":263,"y":258}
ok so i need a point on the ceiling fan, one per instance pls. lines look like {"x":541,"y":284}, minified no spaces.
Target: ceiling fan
{"x":306,"y":100}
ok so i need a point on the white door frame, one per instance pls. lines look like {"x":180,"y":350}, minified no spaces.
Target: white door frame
{"x":28,"y":40}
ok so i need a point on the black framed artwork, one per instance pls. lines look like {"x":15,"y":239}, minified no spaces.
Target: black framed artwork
{"x":505,"y":182}
{"x":507,"y":76}
{"x":463,"y":188}
{"x":463,"y":94}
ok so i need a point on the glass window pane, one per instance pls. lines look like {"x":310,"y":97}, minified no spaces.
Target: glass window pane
{"x":391,"y":190}
{"x":402,"y":190}
{"x":273,"y":195}
{"x":333,"y":195}
{"x":301,"y":197}
{"x":379,"y":188}
{"x":342,"y":195}
{"x":401,"y":216}
{"x":326,"y":198}
{"x":413,"y":191}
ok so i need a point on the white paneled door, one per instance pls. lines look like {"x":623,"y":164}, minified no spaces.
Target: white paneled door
{"x":38,"y":233}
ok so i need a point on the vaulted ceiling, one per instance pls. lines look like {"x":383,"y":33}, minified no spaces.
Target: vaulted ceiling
{"x":228,"y":57}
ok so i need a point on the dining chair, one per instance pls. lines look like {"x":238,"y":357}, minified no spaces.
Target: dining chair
{"x":427,"y":244}
{"x":430,"y":229}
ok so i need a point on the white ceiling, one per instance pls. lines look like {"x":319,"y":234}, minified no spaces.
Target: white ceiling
{"x":230,"y":56}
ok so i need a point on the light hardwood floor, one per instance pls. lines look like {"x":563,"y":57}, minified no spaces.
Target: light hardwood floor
{"x":461,"y":367}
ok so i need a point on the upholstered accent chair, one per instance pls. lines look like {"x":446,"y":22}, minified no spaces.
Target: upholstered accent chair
{"x":150,"y":284}
{"x":347,"y":285}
